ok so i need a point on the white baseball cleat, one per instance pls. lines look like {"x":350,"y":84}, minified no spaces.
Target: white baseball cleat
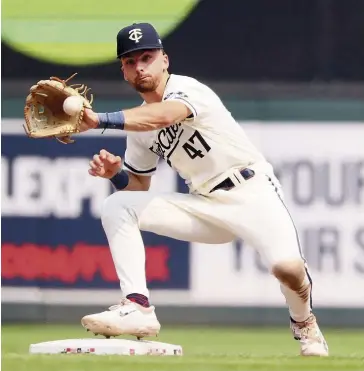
{"x":310,"y":337}
{"x":126,"y":318}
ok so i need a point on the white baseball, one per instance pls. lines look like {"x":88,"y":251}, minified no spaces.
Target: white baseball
{"x":72,"y":105}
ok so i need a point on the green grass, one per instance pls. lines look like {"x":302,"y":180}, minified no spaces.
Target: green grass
{"x":205,"y":349}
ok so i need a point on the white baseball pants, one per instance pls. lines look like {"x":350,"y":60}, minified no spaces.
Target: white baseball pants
{"x":253,"y":211}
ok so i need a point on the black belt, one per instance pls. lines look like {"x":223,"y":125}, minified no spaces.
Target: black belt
{"x":228,"y":184}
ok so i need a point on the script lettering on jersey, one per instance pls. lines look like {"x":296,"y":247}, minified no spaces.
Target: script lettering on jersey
{"x":167,"y":141}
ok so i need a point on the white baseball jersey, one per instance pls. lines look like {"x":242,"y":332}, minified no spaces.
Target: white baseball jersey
{"x":201,"y":147}
{"x":204,"y":149}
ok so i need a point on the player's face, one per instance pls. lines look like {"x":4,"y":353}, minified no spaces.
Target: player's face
{"x":144,"y":69}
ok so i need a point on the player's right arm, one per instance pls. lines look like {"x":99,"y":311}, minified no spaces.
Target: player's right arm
{"x":138,"y":183}
{"x":134,"y":172}
{"x":107,"y":165}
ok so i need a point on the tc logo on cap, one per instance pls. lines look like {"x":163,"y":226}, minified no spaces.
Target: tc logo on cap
{"x":135,"y":34}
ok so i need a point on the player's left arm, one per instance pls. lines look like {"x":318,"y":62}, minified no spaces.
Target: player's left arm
{"x":148,"y":117}
{"x":155,"y":115}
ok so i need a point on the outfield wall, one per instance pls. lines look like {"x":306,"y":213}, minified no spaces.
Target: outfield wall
{"x":186,"y":315}
{"x":56,"y":265}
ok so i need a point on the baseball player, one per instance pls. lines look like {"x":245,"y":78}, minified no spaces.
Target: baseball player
{"x":233,"y":192}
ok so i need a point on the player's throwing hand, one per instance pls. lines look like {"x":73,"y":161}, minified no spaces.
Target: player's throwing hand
{"x":104,"y":164}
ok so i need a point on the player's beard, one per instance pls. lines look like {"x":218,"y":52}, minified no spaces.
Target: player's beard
{"x":146,"y":85}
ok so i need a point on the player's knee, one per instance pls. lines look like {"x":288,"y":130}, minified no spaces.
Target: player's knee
{"x":291,"y":273}
{"x":117,"y":207}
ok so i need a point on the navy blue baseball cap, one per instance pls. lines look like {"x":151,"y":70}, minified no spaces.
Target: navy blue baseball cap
{"x":137,"y":36}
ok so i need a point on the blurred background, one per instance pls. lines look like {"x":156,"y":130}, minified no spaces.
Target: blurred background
{"x":291,"y":72}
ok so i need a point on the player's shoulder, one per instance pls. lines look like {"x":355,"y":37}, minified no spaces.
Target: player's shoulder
{"x":186,"y":86}
{"x":181,"y":81}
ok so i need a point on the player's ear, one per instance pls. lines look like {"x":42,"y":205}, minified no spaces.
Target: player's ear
{"x":165,"y":61}
{"x":123,"y":72}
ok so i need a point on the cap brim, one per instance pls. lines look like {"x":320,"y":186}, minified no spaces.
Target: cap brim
{"x":142,"y":47}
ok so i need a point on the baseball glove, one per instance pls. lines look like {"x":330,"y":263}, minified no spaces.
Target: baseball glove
{"x":44,"y":114}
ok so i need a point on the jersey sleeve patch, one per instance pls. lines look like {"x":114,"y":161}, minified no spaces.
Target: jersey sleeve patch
{"x":183,"y":97}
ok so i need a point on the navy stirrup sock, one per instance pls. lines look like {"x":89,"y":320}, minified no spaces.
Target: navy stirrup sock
{"x":139,"y":299}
